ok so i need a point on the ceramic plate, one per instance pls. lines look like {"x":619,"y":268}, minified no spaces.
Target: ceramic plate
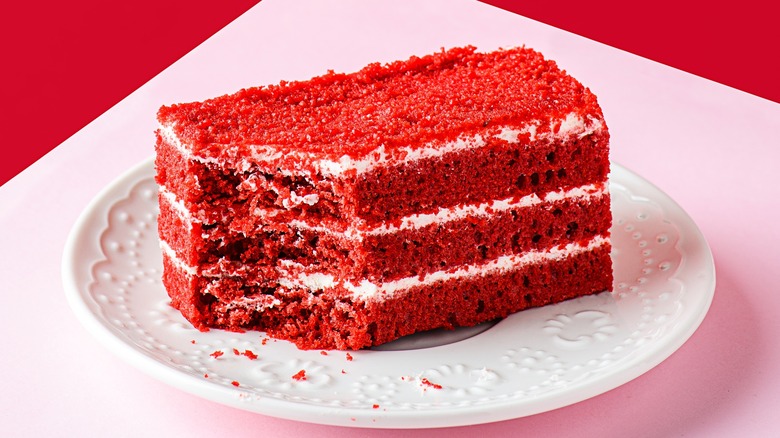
{"x":530,"y":362}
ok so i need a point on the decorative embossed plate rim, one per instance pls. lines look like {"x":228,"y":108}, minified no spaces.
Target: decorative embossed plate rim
{"x":531,"y":362}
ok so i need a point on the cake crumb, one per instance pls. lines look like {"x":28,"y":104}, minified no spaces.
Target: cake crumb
{"x":216,"y":354}
{"x":236,"y":352}
{"x":324,"y":353}
{"x":250,"y":354}
{"x":376,"y":406}
{"x":426,"y":382}
{"x":349,"y":357}
{"x":192,"y":341}
{"x":264,"y":341}
{"x":300,"y":375}
{"x":235,"y":383}
{"x":206,"y":375}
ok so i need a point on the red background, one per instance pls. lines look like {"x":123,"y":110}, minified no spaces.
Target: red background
{"x":65,"y":63}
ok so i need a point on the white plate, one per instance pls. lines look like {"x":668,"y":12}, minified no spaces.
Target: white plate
{"x":530,"y":362}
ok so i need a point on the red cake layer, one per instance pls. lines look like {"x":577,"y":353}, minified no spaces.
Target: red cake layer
{"x":496,"y":171}
{"x":338,"y":320}
{"x":403,"y":104}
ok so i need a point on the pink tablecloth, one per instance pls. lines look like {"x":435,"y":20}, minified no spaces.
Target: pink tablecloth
{"x":711,"y":148}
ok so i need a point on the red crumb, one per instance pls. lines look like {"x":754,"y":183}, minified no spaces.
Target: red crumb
{"x":376,"y":406}
{"x":300,"y":375}
{"x":264,"y":341}
{"x":206,"y":375}
{"x":427,"y":382}
{"x":192,"y":341}
{"x":324,"y":353}
{"x":250,"y":354}
{"x":234,"y":383}
{"x":343,"y":372}
{"x":216,"y":354}
{"x":349,"y":357}
{"x":236,"y":352}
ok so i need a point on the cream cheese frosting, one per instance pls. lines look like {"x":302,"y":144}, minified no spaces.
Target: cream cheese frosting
{"x":292,"y":274}
{"x":358,"y":230}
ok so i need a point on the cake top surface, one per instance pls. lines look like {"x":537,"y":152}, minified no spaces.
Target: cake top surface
{"x":399,"y":105}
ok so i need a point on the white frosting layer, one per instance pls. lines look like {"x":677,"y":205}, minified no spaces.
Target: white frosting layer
{"x":368,"y":290}
{"x":257,"y":303}
{"x":414,"y":221}
{"x":169,"y":135}
{"x":444,"y":215}
{"x":488,"y":208}
{"x":570,"y":126}
{"x":178,"y":206}
{"x":167,"y":250}
{"x":380,"y":158}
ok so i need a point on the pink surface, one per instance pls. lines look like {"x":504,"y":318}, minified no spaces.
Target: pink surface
{"x":710,"y":147}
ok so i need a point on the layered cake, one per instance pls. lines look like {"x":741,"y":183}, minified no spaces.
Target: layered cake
{"x":349,"y":210}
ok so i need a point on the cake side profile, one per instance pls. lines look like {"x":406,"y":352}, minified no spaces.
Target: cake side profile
{"x":352,"y":209}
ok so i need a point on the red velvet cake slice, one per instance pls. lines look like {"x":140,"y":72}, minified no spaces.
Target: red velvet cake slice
{"x":352,"y":209}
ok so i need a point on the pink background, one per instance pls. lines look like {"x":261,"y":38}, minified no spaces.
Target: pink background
{"x":710,"y":147}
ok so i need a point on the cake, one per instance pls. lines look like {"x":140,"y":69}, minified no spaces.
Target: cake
{"x":349,"y":210}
